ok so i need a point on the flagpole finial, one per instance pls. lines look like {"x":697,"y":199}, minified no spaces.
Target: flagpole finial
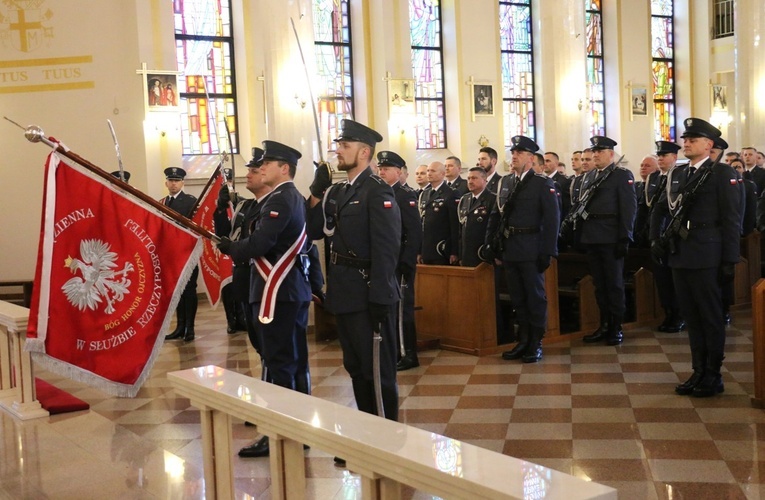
{"x":33,"y":133}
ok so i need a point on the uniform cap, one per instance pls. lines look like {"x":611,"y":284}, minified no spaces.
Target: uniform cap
{"x":116,"y":174}
{"x":602,"y":142}
{"x":389,"y":159}
{"x":175,"y":173}
{"x":664,"y":147}
{"x":523,"y":143}
{"x":355,"y":132}
{"x":257,"y":158}
{"x":720,"y":144}
{"x":273,"y":150}
{"x":696,"y":127}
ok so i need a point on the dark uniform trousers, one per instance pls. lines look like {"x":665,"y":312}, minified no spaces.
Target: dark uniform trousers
{"x":284,"y":345}
{"x":713,"y":239}
{"x":609,"y":224}
{"x":411,"y":242}
{"x":363,"y":224}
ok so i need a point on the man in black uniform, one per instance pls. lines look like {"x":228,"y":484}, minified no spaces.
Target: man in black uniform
{"x":704,"y":251}
{"x":440,"y":227}
{"x":279,"y":289}
{"x":487,"y":160}
{"x":182,"y":203}
{"x":390,"y":165}
{"x":666,"y":153}
{"x":453,"y":166}
{"x":362,"y":222}
{"x":526,"y":226}
{"x":645,"y":190}
{"x":607,"y":224}
{"x":474,"y":210}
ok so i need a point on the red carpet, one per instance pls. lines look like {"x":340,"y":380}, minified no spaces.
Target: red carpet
{"x":55,"y":400}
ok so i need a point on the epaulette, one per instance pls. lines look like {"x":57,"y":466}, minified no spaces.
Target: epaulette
{"x":622,"y":168}
{"x":407,"y":188}
{"x":544,"y":176}
{"x":377,"y":179}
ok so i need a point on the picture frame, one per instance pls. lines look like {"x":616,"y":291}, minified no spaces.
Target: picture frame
{"x":482,"y":99}
{"x":719,"y":99}
{"x":401,"y":93}
{"x":638,"y":101}
{"x":161,"y":90}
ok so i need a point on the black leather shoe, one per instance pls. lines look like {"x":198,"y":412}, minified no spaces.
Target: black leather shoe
{"x":516,"y":352}
{"x":726,"y":317}
{"x":177,"y":334}
{"x":708,"y":386}
{"x":598,"y":335}
{"x":339,"y":462}
{"x":675,"y":327}
{"x":255,"y":450}
{"x":230,"y":329}
{"x":407,"y":363}
{"x":686,"y":388}
{"x":533,"y":356}
{"x":189,"y":336}
{"x":615,"y":338}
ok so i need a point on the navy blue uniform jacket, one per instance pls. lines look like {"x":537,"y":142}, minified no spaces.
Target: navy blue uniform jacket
{"x":612,"y":208}
{"x":438,"y":208}
{"x":411,"y":225}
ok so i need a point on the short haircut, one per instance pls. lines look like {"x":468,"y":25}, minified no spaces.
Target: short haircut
{"x":456,"y":160}
{"x":293,"y":168}
{"x":557,"y":158}
{"x":540,"y":158}
{"x":489,"y":151}
{"x":734,"y":154}
{"x":750,"y":147}
{"x":404,"y":168}
{"x":576,"y":153}
{"x":479,"y":170}
{"x":587,"y":150}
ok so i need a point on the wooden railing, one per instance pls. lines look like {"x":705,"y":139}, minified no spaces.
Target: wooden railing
{"x":17,"y":382}
{"x":758,"y":340}
{"x":384,"y":453}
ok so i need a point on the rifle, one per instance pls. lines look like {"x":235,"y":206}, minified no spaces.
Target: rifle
{"x":676,"y":227}
{"x":497,"y":240}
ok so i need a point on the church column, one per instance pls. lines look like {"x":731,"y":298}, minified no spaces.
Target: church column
{"x":750,"y":72}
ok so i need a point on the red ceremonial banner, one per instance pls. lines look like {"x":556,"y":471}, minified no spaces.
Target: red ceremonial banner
{"x":216,"y":268}
{"x":110,"y":272}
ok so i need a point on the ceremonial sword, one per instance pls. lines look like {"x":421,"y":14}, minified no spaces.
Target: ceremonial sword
{"x":117,"y":148}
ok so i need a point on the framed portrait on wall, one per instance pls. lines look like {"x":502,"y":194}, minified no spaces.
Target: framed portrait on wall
{"x":401,"y":96}
{"x":638,"y":101}
{"x":482,"y":97}
{"x":161,"y":91}
{"x":719,"y":98}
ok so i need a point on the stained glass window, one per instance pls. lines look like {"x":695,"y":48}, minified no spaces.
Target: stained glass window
{"x":593,"y":21}
{"x":663,"y":68}
{"x":332,"y":35}
{"x":515,"y":41}
{"x":427,"y":57}
{"x":204,"y":46}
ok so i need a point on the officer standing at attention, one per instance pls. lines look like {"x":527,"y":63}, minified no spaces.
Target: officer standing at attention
{"x":362,"y":222}
{"x":527,"y":223}
{"x":607,"y":224}
{"x":704,"y":251}
{"x":390,"y":165}
{"x":487,"y":160}
{"x":474,"y":210}
{"x":279,"y":289}
{"x":440,"y":227}
{"x":182,"y":203}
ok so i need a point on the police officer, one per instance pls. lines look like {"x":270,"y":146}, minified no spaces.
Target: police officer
{"x":645,"y":190}
{"x":666,"y":153}
{"x":362,"y":222}
{"x":703,"y":257}
{"x":526,"y":224}
{"x":440,"y":227}
{"x":182,"y":203}
{"x":453,"y":166}
{"x":279,"y":289}
{"x":606,"y":232}
{"x":390,"y":165}
{"x":487,"y":160}
{"x":474,"y":210}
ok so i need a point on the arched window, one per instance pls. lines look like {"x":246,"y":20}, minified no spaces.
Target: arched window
{"x":593,"y":21}
{"x":204,"y":45}
{"x":427,"y":63}
{"x":516,"y":44}
{"x":332,"y":36}
{"x":663,"y":67}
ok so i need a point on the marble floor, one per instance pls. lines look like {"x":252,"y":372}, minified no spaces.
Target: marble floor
{"x":607,"y":414}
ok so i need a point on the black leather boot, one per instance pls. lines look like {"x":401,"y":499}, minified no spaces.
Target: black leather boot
{"x":698,"y":362}
{"x":523,"y":342}
{"x":711,"y":383}
{"x":615,"y":334}
{"x":303,"y":382}
{"x":180,"y":327}
{"x":191,"y":314}
{"x":533,"y":351}
{"x":601,"y":333}
{"x":259,"y":448}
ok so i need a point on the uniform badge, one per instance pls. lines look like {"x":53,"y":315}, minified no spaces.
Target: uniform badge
{"x":630,"y":182}
{"x":273,"y":214}
{"x":387,"y":204}
{"x":412,"y":203}
{"x":733,"y":182}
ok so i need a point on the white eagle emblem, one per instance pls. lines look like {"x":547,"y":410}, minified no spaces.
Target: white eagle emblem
{"x":99,"y":281}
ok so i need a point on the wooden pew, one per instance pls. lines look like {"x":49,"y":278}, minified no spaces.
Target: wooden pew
{"x":758,"y":340}
{"x":575,"y":284}
{"x":386,"y":454}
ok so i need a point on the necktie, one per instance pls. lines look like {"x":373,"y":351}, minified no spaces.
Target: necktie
{"x":170,"y":201}
{"x":691,"y":171}
{"x":473,"y":202}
